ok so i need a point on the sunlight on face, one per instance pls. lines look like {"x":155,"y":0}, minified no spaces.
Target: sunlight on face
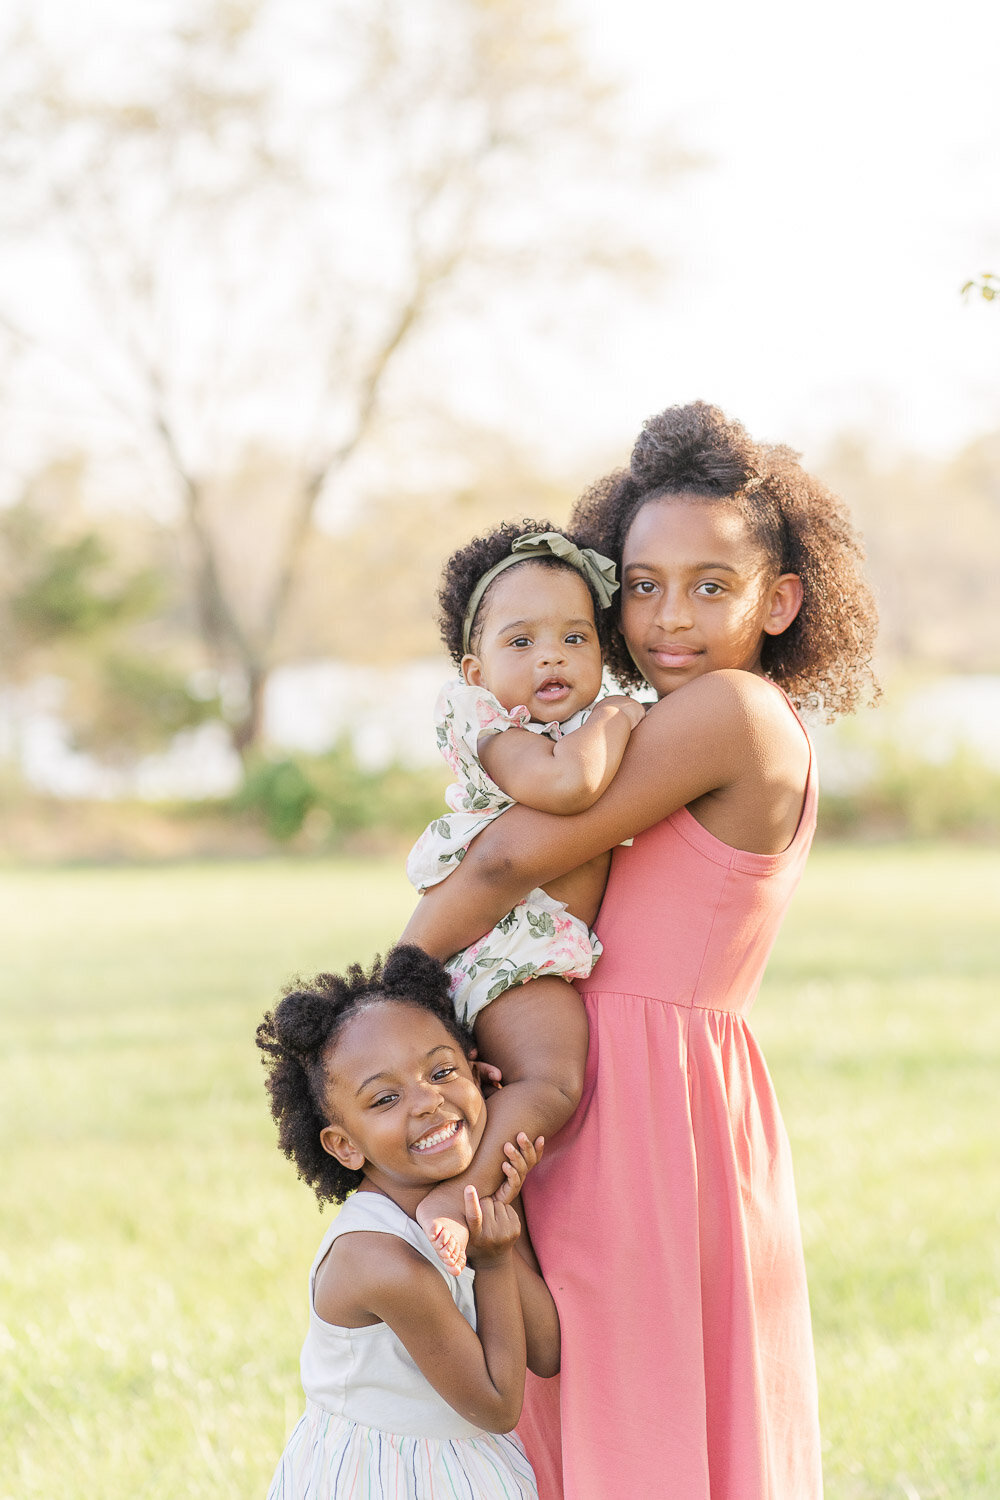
{"x":537,"y":643}
{"x":699,"y":593}
{"x":402,"y":1100}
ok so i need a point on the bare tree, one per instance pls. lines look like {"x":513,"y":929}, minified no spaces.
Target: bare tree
{"x":259,"y":215}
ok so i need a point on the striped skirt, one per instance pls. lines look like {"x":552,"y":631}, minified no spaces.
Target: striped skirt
{"x":331,"y":1458}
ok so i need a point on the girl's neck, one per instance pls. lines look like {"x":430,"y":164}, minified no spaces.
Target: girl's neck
{"x":405,"y":1198}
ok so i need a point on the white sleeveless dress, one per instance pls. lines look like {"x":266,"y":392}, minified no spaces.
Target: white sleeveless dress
{"x":539,"y":936}
{"x":374,"y":1427}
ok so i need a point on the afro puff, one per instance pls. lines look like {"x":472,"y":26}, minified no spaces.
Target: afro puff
{"x":823,"y":659}
{"x":297,"y":1040}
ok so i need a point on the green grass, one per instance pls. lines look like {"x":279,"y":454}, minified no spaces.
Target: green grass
{"x":882,"y":1030}
{"x":154,"y":1243}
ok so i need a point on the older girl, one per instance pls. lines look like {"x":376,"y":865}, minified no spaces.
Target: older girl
{"x":664,"y":1216}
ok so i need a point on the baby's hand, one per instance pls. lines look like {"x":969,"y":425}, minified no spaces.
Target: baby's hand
{"x":487,"y":1075}
{"x":493,"y":1228}
{"x":520,"y":1160}
{"x":635,"y":712}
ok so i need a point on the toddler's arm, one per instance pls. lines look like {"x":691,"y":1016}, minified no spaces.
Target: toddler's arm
{"x":541,"y":1319}
{"x":537,"y":1035}
{"x":567,"y":775}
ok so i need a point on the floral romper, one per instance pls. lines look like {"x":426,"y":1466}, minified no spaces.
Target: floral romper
{"x":539,"y":936}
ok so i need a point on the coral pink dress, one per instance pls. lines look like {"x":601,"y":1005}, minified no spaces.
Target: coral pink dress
{"x":664,"y":1214}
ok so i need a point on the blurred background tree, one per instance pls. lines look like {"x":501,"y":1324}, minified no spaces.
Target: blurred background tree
{"x":76,"y":608}
{"x":932,"y":533}
{"x":257,"y":253}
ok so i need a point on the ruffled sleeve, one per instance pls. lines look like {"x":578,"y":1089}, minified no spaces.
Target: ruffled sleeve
{"x":463,"y":715}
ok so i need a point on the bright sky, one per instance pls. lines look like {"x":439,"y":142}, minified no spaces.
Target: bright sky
{"x":852,"y":185}
{"x":855,"y":186}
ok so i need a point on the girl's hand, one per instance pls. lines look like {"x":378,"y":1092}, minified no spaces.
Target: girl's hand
{"x":493,"y":1229}
{"x":493,"y":1224}
{"x":519,"y":1161}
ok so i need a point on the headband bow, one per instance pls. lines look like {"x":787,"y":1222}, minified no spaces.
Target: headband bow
{"x":598,"y":571}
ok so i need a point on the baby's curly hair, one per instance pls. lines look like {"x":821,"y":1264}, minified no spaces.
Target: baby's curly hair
{"x":465,"y":567}
{"x":823,"y":660}
{"x":297,"y":1040}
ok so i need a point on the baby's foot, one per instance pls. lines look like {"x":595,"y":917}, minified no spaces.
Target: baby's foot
{"x":448,"y":1236}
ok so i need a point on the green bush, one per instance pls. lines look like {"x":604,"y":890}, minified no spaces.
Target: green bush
{"x":277,"y":794}
{"x":334,"y":798}
{"x":905,"y":796}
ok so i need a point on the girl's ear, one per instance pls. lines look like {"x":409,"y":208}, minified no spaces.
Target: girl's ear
{"x":472,"y":671}
{"x":336,"y":1143}
{"x":785,"y":603}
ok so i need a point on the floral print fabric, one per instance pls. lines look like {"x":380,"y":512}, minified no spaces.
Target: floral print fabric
{"x":539,"y":936}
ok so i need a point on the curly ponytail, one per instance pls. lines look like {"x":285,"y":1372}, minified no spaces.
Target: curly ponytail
{"x":824,"y":658}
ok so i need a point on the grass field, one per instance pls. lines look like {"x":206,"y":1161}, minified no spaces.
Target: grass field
{"x":154,"y":1243}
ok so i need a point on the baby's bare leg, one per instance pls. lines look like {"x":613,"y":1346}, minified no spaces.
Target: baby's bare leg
{"x":537,"y":1035}
{"x":582,"y":889}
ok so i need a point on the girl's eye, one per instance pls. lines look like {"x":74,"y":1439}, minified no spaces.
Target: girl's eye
{"x":712,"y":590}
{"x":384,"y":1099}
{"x":576,"y":638}
{"x":520,"y":640}
{"x":644,"y":586}
{"x":443,"y":1072}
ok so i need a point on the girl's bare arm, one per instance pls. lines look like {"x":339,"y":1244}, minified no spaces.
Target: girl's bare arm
{"x":481,"y":1376}
{"x":696,"y":744}
{"x":566,"y":775}
{"x":541,"y":1319}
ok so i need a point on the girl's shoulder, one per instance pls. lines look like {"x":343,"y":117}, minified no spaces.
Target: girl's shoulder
{"x":738,"y":703}
{"x":372,"y":1249}
{"x":359,"y":1270}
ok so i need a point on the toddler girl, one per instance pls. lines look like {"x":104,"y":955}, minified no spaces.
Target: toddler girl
{"x":413,"y":1378}
{"x":525,"y":723}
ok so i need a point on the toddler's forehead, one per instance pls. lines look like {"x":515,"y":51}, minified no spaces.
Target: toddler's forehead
{"x":536,"y":582}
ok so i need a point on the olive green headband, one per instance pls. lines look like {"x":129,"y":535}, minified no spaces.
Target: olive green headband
{"x":598,"y":571}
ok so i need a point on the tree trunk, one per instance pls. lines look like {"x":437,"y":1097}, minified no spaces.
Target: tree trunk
{"x":247,"y":731}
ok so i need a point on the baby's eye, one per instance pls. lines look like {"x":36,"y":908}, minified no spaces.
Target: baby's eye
{"x":520,"y":640}
{"x":576,"y":638}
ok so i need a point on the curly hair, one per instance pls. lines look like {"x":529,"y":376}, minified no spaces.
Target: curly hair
{"x":297,"y":1039}
{"x":823,"y":659}
{"x":465,"y":567}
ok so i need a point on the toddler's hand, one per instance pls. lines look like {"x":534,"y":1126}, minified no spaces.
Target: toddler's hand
{"x":487,"y":1075}
{"x":493,"y":1228}
{"x":635,"y":712}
